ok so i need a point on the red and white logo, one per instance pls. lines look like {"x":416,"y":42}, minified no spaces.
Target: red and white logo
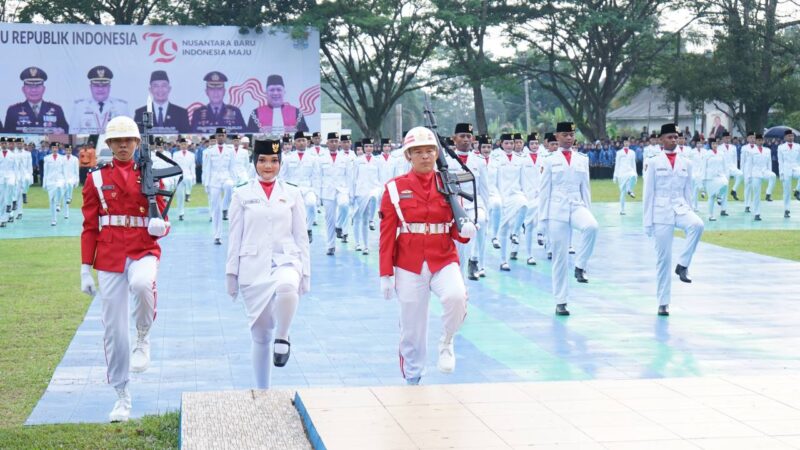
{"x":165,"y":49}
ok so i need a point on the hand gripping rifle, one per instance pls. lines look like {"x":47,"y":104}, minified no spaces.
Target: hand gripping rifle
{"x":150,"y":176}
{"x":450,"y":183}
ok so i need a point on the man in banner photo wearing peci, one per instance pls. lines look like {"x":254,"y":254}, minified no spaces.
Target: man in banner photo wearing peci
{"x":168,"y":118}
{"x":277,"y":116}
{"x":35,"y":115}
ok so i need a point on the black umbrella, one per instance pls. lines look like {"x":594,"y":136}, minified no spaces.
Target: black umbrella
{"x":778,"y":132}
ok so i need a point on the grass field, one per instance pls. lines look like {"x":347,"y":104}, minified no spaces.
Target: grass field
{"x":602,"y":191}
{"x":778,"y":243}
{"x":41,"y":306}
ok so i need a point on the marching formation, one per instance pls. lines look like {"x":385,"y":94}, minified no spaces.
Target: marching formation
{"x":523,"y":192}
{"x":16,"y":176}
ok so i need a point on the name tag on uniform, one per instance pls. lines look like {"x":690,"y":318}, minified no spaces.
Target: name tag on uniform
{"x":662,"y":169}
{"x":406,"y":194}
{"x":254,"y":201}
{"x":107,"y":187}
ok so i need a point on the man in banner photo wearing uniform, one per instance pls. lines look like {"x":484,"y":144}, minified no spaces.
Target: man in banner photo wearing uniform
{"x":119,"y":240}
{"x":168,"y":118}
{"x":35,"y":115}
{"x":216,"y":113}
{"x":417,"y":256}
{"x":277,"y":116}
{"x":90,"y":115}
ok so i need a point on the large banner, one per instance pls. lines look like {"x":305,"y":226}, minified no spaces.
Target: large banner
{"x":73,"y":79}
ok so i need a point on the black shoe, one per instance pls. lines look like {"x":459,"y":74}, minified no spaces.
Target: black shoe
{"x":14,"y":205}
{"x":338,"y":233}
{"x":712,"y":219}
{"x":19,"y":216}
{"x":310,"y":239}
{"x":372,"y":225}
{"x":11,"y":219}
{"x":180,"y":217}
{"x":719,"y":201}
{"x":580,"y":275}
{"x":217,"y":241}
{"x":314,"y":223}
{"x":703,"y":195}
{"x":25,"y":198}
{"x":757,"y":218}
{"x":505,"y":268}
{"x":797,"y":195}
{"x":495,"y":243}
{"x":631,"y":194}
{"x":224,"y":214}
{"x":188,"y":198}
{"x":734,"y":195}
{"x":514,"y":239}
{"x":683,"y":273}
{"x":747,"y":209}
{"x":571,"y":250}
{"x":280,"y":359}
{"x":550,"y":255}
{"x":3,"y":224}
{"x":540,"y":240}
{"x":769,"y":198}
{"x":531,"y":261}
{"x":513,"y":256}
{"x":68,"y":202}
{"x":663,"y":310}
{"x":331,"y":251}
{"x":210,"y":219}
{"x":561,"y":309}
{"x":723,"y":213}
{"x":786,"y":214}
{"x":344,"y":239}
{"x":472,"y":270}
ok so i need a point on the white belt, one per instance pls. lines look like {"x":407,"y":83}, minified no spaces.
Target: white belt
{"x":426,"y":228}
{"x":124,"y":221}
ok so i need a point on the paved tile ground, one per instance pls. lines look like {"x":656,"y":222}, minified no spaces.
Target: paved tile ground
{"x":731,"y":413}
{"x":739,"y":317}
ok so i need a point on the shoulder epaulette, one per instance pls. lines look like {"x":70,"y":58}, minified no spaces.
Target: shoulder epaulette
{"x":99,"y":166}
{"x":290,"y":184}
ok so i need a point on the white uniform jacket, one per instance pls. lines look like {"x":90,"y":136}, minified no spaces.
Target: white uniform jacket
{"x":25,"y":165}
{"x":187,"y":164}
{"x":667,"y":190}
{"x":563,"y":186}
{"x":53,"y":172}
{"x":715,"y":168}
{"x":365,"y":176}
{"x":8,"y":167}
{"x":508,"y":174}
{"x":71,"y":169}
{"x":302,"y":172}
{"x":219,"y":167}
{"x":87,"y":118}
{"x":624,"y":164}
{"x":241,"y":158}
{"x":731,"y":159}
{"x":334,"y":176}
{"x":267,"y":232}
{"x":759,"y":162}
{"x":478,"y":168}
{"x":386,"y":167}
{"x":789,"y":160}
{"x":651,"y":150}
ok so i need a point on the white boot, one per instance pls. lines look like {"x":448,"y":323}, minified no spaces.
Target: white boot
{"x":447,"y":355}
{"x":140,"y":358}
{"x":122,"y":408}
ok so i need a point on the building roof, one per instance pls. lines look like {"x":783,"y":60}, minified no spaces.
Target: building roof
{"x":650,"y":103}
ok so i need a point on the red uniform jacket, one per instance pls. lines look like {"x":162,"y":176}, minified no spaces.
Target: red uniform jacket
{"x":108,"y":248}
{"x":408,"y":251}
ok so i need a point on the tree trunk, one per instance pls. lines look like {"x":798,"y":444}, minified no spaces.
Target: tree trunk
{"x":480,"y":108}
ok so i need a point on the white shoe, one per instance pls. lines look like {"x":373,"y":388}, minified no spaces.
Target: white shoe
{"x":122,"y":408}
{"x":447,"y":356}
{"x":140,"y":357}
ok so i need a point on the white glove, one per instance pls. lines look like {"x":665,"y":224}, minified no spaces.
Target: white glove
{"x":157,"y":227}
{"x":468,"y":230}
{"x":387,"y":287}
{"x":648,"y":231}
{"x":87,"y":282}
{"x":232,"y":284}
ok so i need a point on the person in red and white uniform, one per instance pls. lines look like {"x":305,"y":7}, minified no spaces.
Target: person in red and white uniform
{"x":268,"y":257}
{"x":418,"y":256}
{"x":119,"y":241}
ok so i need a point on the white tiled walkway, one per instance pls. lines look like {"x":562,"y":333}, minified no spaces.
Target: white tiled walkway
{"x":678,"y":413}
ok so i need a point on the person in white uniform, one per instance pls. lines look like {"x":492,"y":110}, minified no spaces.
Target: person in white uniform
{"x":25,"y":175}
{"x":334,"y":181}
{"x":493,"y":203}
{"x":666,"y":206}
{"x":653,"y":148}
{"x":564,"y":205}
{"x":418,"y":257}
{"x":8,"y":180}
{"x":789,"y":169}
{"x":219,"y":173}
{"x":508,"y":183}
{"x":715,"y":179}
{"x":54,"y":180}
{"x":70,"y":177}
{"x":759,"y":169}
{"x":365,"y":190}
{"x":241,"y":157}
{"x":745,"y":165}
{"x":695,"y":156}
{"x":268,"y":258}
{"x":530,"y":176}
{"x":300,"y":169}
{"x":187,"y":162}
{"x":625,"y":173}
{"x":731,"y":162}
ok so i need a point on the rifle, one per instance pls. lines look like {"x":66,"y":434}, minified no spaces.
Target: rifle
{"x":150,"y":176}
{"x":449,"y":183}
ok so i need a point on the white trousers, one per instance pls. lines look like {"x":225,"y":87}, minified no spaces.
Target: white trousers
{"x":215,"y":201}
{"x":737,"y":176}
{"x":336,"y":212}
{"x":138,"y":280}
{"x":559,"y":236}
{"x":6,"y":193}
{"x":531,"y":225}
{"x":364,"y":211}
{"x":697,"y":187}
{"x":414,"y":293}
{"x":514,"y":209}
{"x":184,"y":189}
{"x":495,"y":211}
{"x":625,"y":184}
{"x":691,"y":224}
{"x":470,"y":250}
{"x":786,"y":180}
{"x":55,"y":193}
{"x":717,"y":188}
{"x":310,"y":198}
{"x":755,"y":191}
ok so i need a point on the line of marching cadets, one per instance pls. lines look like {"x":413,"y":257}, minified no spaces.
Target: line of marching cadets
{"x":523,"y":192}
{"x":16,"y":176}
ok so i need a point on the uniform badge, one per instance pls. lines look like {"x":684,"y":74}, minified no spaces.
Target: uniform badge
{"x":113,"y":195}
{"x":107,"y":187}
{"x":282,"y":200}
{"x":253,"y":201}
{"x":541,"y":169}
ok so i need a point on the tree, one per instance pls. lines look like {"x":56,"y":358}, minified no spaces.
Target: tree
{"x":246,"y":14}
{"x":584,"y":51}
{"x":120,"y":12}
{"x":465,"y":24}
{"x":372,"y":51}
{"x":752,"y":67}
